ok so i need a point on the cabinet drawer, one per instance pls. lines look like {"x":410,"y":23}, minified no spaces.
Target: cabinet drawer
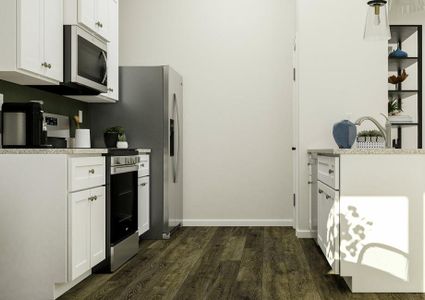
{"x":328,"y":171}
{"x":86,"y":172}
{"x":144,"y":165}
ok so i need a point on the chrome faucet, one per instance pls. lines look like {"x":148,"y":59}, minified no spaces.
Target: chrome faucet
{"x":386,"y":132}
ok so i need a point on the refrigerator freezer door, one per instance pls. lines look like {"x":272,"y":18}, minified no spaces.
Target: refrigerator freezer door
{"x":173,"y":213}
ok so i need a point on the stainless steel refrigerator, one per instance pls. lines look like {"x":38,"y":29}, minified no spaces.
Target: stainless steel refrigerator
{"x":150,"y":109}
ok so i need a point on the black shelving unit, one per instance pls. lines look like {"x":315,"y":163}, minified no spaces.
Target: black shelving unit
{"x":399,"y":34}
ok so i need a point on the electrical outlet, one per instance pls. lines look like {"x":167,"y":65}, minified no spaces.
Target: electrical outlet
{"x":80,"y":116}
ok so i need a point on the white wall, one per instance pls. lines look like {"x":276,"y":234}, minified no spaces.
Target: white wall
{"x":236,"y":60}
{"x":338,"y":73}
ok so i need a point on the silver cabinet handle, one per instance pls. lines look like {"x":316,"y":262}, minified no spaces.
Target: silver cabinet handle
{"x":143,"y":184}
{"x":331,"y":171}
{"x":310,"y":182}
{"x":328,"y":197}
{"x":98,"y":23}
{"x":93,"y":198}
{"x":49,"y":66}
{"x":91,"y":171}
{"x":320,"y":192}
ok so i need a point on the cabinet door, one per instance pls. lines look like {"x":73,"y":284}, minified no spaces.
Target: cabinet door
{"x":80,"y":233}
{"x":328,"y":224}
{"x":113,"y":50}
{"x":97,"y":226}
{"x":53,"y":39}
{"x":86,"y":13}
{"x":143,"y":205}
{"x":101,"y":18}
{"x":30,"y":36}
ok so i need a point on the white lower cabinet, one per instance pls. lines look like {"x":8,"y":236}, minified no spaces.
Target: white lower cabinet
{"x":328,"y":224}
{"x":143,"y":204}
{"x":87,"y":230}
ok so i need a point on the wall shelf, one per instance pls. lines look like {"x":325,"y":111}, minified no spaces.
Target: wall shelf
{"x":395,"y":64}
{"x":404,"y":124}
{"x":393,"y":95}
{"x":399,"y":34}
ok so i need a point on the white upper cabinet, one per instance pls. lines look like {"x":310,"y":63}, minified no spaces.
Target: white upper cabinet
{"x":91,"y":14}
{"x":53,"y":39}
{"x":101,"y":18}
{"x":86,"y":12}
{"x":34,"y":52}
{"x":30,"y":35}
{"x":113,"y":65}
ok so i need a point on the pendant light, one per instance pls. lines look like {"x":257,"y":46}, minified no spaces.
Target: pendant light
{"x":377,"y":26}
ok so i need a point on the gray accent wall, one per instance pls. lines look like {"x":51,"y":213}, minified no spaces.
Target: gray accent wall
{"x":53,"y":103}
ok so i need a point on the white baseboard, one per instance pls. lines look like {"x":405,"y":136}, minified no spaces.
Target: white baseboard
{"x":62,"y":288}
{"x":306,"y":234}
{"x":237,"y":222}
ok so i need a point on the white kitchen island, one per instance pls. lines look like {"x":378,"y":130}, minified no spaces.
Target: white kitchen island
{"x":370,"y":216}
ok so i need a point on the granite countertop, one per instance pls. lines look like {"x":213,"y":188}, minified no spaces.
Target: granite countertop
{"x":53,"y":151}
{"x":356,"y":151}
{"x":144,"y":151}
{"x":61,"y":151}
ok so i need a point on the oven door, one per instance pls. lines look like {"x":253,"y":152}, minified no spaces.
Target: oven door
{"x":89,"y":63}
{"x":124,"y":220}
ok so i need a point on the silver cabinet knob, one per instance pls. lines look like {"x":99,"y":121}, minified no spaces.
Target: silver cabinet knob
{"x":331,"y":171}
{"x":320,"y":192}
{"x":328,"y":197}
{"x":98,"y":23}
{"x":110,"y":90}
{"x":143,"y":184}
{"x":46,"y":65}
{"x":91,"y":171}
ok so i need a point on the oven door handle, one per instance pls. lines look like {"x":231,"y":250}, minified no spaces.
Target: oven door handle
{"x":105,"y":77}
{"x":124,"y":169}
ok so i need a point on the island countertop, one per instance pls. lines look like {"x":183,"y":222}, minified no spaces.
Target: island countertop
{"x":360,"y":151}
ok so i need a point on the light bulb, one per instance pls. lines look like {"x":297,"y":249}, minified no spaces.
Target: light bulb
{"x":377,"y":18}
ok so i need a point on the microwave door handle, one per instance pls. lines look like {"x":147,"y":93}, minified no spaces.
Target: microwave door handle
{"x":106,"y":70}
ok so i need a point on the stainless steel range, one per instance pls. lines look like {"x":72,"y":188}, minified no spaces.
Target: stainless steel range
{"x":122,"y":239}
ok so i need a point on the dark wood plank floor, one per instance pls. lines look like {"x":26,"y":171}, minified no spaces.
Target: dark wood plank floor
{"x":224,"y":263}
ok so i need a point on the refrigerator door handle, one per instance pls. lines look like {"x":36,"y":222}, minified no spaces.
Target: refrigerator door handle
{"x":178,"y":138}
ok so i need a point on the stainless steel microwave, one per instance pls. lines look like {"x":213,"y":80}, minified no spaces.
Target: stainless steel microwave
{"x":85,"y":62}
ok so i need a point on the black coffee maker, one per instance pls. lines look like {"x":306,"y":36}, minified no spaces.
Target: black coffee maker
{"x":22,"y":125}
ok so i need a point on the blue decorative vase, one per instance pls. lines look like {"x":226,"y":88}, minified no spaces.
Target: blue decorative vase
{"x":345,"y":134}
{"x":398,"y":54}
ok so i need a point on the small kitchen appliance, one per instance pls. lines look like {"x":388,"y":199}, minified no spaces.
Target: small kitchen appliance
{"x":22,"y":125}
